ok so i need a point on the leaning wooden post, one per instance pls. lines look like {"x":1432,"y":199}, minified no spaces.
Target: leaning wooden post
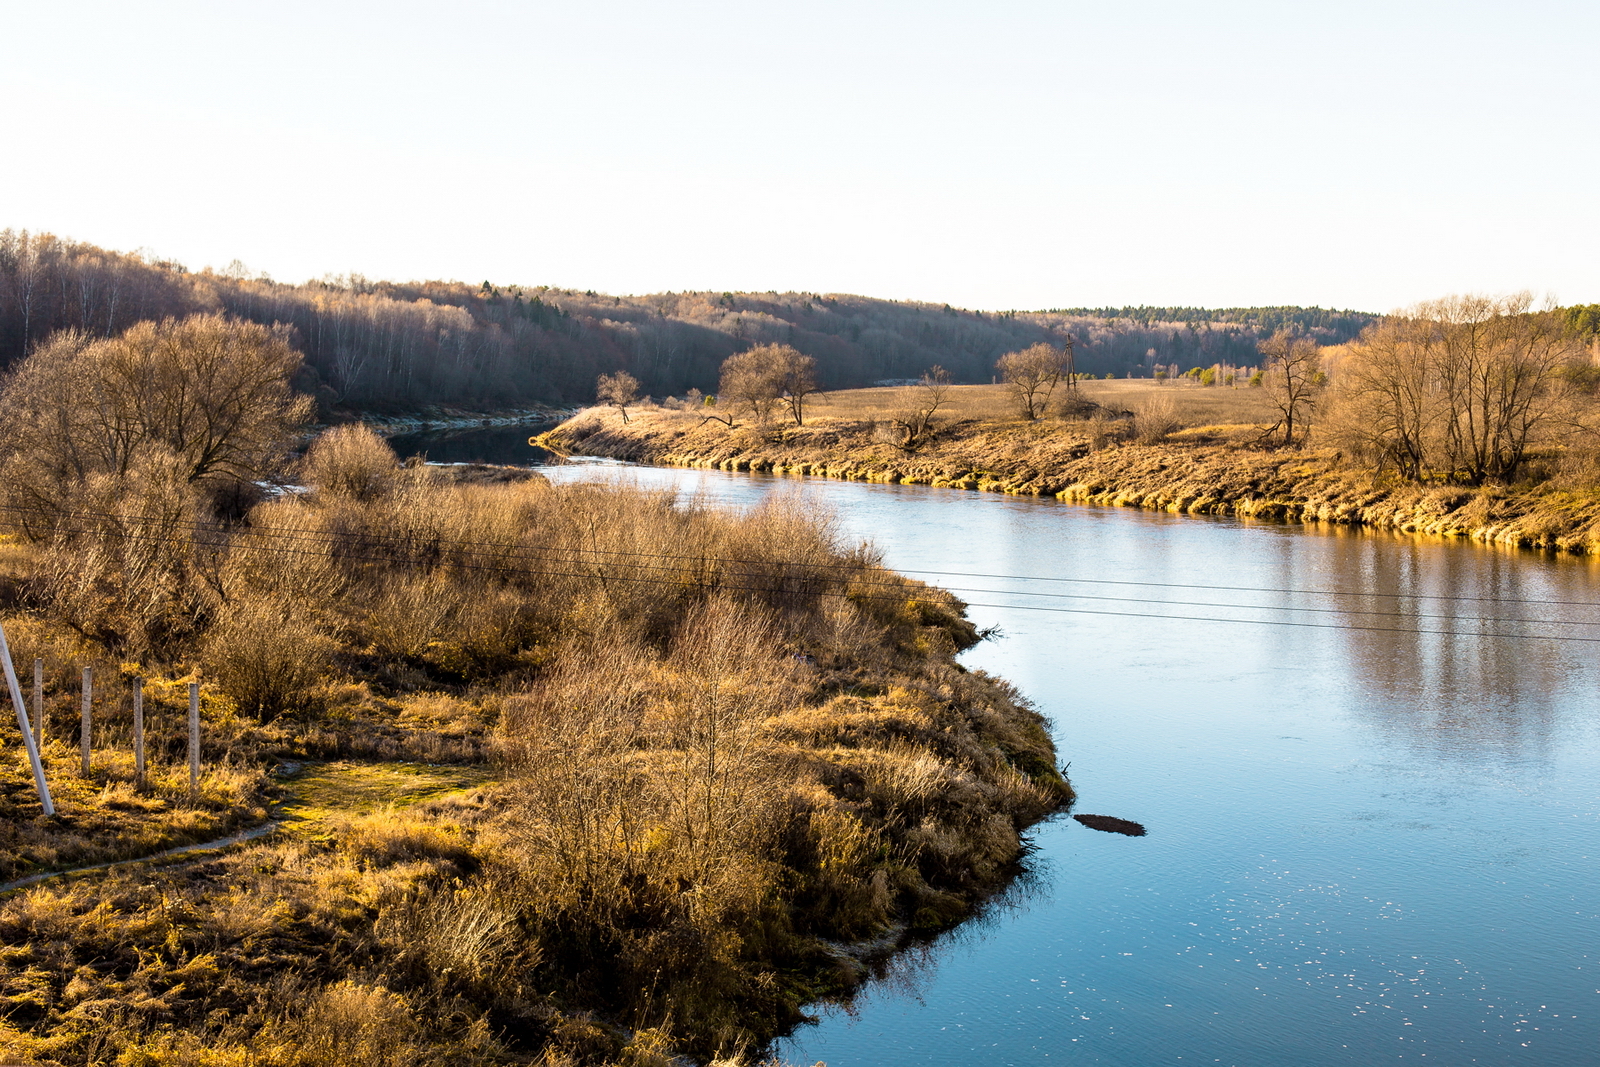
{"x":194,"y":740}
{"x":88,"y":702}
{"x":138,"y":734}
{"x":39,"y":783}
{"x":38,"y":703}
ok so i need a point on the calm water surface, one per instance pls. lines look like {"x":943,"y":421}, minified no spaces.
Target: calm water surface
{"x":1365,"y":847}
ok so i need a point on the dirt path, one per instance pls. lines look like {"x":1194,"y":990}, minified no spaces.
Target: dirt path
{"x":317,"y":793}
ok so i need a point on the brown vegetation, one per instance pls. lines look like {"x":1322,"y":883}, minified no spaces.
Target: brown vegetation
{"x":385,"y":346}
{"x":1173,"y":445}
{"x":723,"y":741}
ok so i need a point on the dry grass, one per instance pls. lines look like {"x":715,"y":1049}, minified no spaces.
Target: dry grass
{"x":1193,"y":405}
{"x":727,"y":736}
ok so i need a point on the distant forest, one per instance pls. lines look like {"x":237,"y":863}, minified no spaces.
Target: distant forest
{"x":374,"y":345}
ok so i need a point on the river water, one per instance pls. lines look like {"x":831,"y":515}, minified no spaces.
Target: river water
{"x":1372,"y":793}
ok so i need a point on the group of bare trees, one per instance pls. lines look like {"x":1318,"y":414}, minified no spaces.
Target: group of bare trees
{"x":125,"y":457}
{"x":1460,"y":388}
{"x":762,"y":381}
{"x":205,"y":399}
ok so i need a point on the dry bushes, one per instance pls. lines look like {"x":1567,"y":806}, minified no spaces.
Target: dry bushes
{"x":266,"y":654}
{"x":350,"y":461}
{"x":258,"y":959}
{"x":687,"y":818}
{"x":727,"y":736}
{"x":1155,"y":419}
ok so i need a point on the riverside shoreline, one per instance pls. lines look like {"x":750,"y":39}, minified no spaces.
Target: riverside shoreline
{"x":442,"y":419}
{"x":1194,"y":474}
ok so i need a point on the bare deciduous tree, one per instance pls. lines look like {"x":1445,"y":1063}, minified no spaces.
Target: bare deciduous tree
{"x":753,"y":380}
{"x":1032,"y":375}
{"x":799,"y":381}
{"x":619,"y":390}
{"x":1293,"y":373}
{"x":211,"y":393}
{"x":920,"y":403}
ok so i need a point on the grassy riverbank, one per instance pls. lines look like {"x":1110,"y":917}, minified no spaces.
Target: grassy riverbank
{"x":1211,"y":464}
{"x":694,"y":755}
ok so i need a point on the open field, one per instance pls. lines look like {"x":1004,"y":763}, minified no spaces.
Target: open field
{"x":1193,"y":405}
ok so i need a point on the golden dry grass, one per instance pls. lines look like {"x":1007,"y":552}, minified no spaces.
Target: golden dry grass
{"x":1194,"y":405}
{"x":716,"y":754}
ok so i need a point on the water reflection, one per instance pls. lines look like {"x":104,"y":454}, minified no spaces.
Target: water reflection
{"x":477,"y":444}
{"x":1375,"y":844}
{"x":902,"y":968}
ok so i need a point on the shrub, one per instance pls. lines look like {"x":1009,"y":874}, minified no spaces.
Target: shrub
{"x":1155,"y":419}
{"x":351,"y":461}
{"x":352,"y":1023}
{"x":265,"y":654}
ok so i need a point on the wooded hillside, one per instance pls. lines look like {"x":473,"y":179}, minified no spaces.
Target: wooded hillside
{"x":372,"y":345}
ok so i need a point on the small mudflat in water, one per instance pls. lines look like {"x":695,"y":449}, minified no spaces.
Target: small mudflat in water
{"x":1111,"y":824}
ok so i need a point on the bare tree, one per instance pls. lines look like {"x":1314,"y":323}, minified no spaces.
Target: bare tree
{"x":1032,"y":375}
{"x":1293,"y":373}
{"x":619,"y":390}
{"x":920,"y":403}
{"x":1458,"y":387}
{"x":210,"y":393}
{"x":752,"y":380}
{"x":799,"y":380}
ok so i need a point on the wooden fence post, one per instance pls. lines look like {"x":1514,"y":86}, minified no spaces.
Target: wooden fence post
{"x":12,"y":684}
{"x":38,"y":703}
{"x":138,"y":734}
{"x":88,"y":701}
{"x":194,"y":740}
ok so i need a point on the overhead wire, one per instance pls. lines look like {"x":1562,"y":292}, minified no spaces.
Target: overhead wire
{"x":512,"y":551}
{"x":230,"y":534}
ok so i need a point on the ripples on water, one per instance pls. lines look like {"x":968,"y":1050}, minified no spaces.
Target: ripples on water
{"x":1365,"y":845}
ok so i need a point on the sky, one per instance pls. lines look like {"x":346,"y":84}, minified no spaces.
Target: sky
{"x":989,"y":155}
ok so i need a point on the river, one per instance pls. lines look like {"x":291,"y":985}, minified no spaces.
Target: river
{"x":1372,"y":796}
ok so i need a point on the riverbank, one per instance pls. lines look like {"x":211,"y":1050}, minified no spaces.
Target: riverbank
{"x":697,"y":793}
{"x":1207,"y":470}
{"x":440,"y":418}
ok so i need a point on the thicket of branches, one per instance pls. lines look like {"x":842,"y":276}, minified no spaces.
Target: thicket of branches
{"x":1463,"y":389}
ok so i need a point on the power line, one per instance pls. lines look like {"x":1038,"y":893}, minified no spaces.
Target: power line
{"x":511,"y":551}
{"x":170,"y":538}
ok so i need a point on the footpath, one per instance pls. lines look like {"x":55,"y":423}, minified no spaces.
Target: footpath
{"x":316,"y":794}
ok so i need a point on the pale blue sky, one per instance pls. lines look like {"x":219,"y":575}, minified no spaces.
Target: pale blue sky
{"x":991,"y":155}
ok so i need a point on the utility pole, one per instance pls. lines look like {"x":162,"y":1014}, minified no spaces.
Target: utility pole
{"x":138,"y":734}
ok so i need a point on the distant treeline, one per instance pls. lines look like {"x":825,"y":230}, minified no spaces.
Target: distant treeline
{"x":375,"y":345}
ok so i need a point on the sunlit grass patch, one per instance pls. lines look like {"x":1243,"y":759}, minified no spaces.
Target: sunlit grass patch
{"x":325,"y":791}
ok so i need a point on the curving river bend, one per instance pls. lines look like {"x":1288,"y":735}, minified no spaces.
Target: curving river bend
{"x":1366,"y":845}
